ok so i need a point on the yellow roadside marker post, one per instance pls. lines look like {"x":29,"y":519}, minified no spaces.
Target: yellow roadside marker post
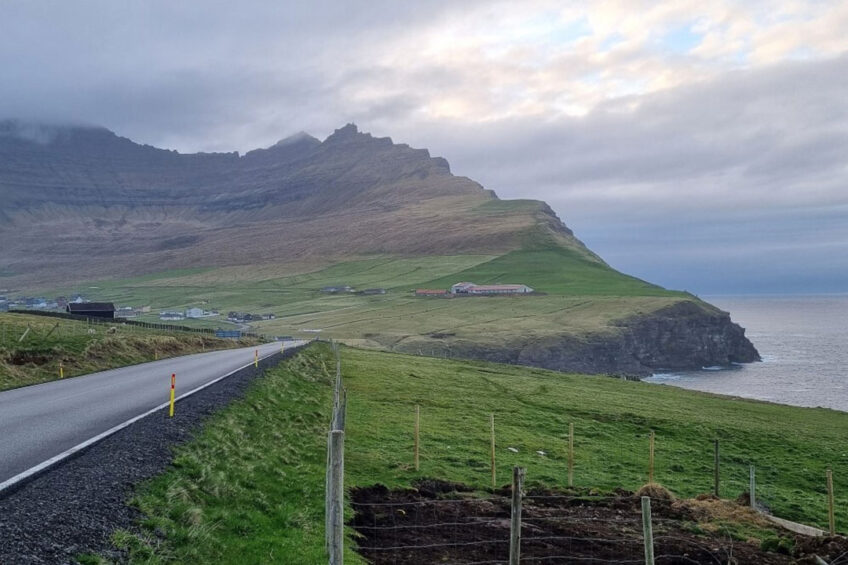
{"x":173,"y":385}
{"x":61,"y":370}
{"x":256,"y":358}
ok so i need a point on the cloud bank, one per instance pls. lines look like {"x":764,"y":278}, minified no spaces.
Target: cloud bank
{"x":698,"y":146}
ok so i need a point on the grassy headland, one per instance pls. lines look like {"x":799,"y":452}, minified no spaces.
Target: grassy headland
{"x":34,"y":356}
{"x":250,"y":487}
{"x":577,"y":295}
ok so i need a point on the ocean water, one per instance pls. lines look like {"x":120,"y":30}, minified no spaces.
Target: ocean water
{"x":803,"y":341}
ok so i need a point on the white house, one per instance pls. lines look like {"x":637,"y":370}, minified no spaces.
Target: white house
{"x":487,"y":289}
{"x":194,"y":313}
{"x":171,"y":315}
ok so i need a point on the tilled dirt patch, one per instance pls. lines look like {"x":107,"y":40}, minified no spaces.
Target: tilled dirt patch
{"x":73,"y":508}
{"x":447,"y":523}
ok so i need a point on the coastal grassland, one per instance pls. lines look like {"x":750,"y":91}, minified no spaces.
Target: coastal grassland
{"x":577,"y":296}
{"x":249,"y":488}
{"x":790,"y":447}
{"x":84,"y":348}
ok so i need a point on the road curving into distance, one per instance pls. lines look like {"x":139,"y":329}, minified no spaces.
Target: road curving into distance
{"x":43,"y":424}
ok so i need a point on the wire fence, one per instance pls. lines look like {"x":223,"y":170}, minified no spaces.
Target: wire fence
{"x":334,"y":485}
{"x":553,"y":529}
{"x":574,"y":524}
{"x":91,"y":320}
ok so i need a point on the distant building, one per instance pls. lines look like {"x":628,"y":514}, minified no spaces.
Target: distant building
{"x":93,"y":309}
{"x":500,"y":289}
{"x":461,"y":287}
{"x":431,"y":292}
{"x":194,"y":313}
{"x":489,"y":289}
{"x":337,"y":289}
{"x":373,"y":291}
{"x":171,"y":315}
{"x":126,"y":312}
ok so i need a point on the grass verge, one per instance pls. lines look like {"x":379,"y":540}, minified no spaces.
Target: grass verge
{"x":35,"y":356}
{"x":250,"y":487}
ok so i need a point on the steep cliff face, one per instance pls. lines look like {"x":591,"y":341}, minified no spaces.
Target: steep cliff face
{"x":685,"y":335}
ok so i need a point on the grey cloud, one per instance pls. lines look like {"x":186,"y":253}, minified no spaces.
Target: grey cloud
{"x":671,"y":186}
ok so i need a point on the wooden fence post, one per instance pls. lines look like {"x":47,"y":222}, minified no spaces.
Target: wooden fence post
{"x":647,"y":530}
{"x":752,"y":488}
{"x":515,"y":516}
{"x":337,"y":497}
{"x":494,"y":473}
{"x":571,"y":454}
{"x":651,"y":459}
{"x":328,"y":492}
{"x":716,"y":470}
{"x":417,"y":432}
{"x":831,"y":518}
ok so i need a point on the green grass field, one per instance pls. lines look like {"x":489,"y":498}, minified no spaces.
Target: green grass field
{"x":35,"y":356}
{"x":250,"y":487}
{"x":578,"y":295}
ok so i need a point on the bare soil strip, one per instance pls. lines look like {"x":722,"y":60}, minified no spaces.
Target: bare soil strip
{"x":443,"y":522}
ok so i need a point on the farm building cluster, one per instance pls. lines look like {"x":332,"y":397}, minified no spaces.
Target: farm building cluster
{"x":472,"y":289}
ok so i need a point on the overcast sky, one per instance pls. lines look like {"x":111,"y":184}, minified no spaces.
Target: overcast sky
{"x":699,"y":145}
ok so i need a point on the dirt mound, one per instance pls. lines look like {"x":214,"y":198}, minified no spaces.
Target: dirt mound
{"x":655,"y":491}
{"x":447,"y":524}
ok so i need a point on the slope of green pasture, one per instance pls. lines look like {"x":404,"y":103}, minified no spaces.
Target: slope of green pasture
{"x":249,"y":488}
{"x":555,"y":270}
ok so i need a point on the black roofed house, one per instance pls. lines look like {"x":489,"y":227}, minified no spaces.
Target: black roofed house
{"x":93,"y":309}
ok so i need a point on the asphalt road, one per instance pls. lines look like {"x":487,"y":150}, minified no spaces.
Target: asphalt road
{"x":45,"y":421}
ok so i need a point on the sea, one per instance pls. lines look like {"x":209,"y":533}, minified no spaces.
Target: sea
{"x":803,"y":341}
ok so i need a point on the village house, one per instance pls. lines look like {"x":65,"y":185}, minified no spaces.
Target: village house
{"x":489,"y":289}
{"x":171,"y":315}
{"x":93,"y":309}
{"x":373,"y":291}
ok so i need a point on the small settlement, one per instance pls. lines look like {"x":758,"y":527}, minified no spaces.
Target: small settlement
{"x":472,"y":289}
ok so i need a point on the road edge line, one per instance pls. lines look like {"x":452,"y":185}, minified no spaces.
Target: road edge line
{"x":44,"y":465}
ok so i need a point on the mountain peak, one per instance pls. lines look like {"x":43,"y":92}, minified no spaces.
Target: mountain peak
{"x":298,"y":137}
{"x":44,"y":133}
{"x":347,"y":134}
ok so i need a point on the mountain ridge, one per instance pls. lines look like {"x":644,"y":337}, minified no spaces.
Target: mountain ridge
{"x":84,"y":204}
{"x":94,"y":181}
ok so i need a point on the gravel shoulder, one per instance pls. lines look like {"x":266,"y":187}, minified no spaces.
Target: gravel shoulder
{"x":74,"y":507}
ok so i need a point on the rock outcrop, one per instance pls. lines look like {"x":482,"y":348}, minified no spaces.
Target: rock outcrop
{"x":685,"y":335}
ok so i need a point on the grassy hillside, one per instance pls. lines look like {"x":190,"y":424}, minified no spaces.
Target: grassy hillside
{"x":578,"y":295}
{"x":34,"y":356}
{"x":249,"y":488}
{"x":556,"y":270}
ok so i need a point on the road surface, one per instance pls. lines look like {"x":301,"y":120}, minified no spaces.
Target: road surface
{"x":43,"y":422}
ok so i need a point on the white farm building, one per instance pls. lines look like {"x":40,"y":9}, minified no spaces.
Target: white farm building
{"x":487,"y":289}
